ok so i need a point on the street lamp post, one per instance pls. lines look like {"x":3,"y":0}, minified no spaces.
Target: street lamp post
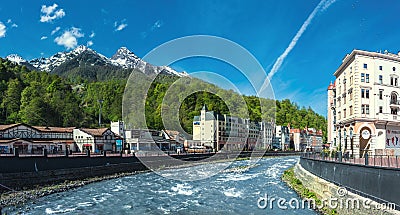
{"x":100,"y":102}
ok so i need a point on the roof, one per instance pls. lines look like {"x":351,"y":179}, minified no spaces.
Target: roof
{"x":196,"y":118}
{"x":174,"y":135}
{"x":9,"y":140}
{"x":52,"y":141}
{"x":55,"y":129}
{"x":211,"y":115}
{"x":350,"y":57}
{"x":94,"y":131}
{"x":331,"y":86}
{"x":295,"y":130}
{"x":172,"y":132}
{"x":40,"y":128}
{"x":204,"y":108}
{"x":5,"y":127}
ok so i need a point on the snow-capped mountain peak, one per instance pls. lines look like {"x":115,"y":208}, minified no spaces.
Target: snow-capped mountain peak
{"x":16,"y":58}
{"x":78,"y":50}
{"x":123,"y":58}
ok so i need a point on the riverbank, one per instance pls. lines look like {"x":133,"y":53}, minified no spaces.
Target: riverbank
{"x":14,"y":198}
{"x":290,"y":179}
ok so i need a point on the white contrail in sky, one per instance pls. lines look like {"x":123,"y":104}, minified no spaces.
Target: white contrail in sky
{"x":322,"y":6}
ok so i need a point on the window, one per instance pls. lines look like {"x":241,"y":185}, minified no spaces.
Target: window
{"x":380,"y":109}
{"x":351,"y":80}
{"x":362,"y":77}
{"x":367,"y":78}
{"x":344,"y":113}
{"x":351,"y":110}
{"x":364,"y":109}
{"x":391,"y":81}
{"x":365,"y":66}
{"x":394,"y":69}
{"x":380,"y":79}
{"x":395,"y":81}
{"x":351,"y":94}
{"x":380,"y":68}
{"x":380,"y":94}
{"x":362,"y":93}
{"x":367,"y":94}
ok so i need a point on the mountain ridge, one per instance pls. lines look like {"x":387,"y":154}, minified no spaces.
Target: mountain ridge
{"x":62,"y":62}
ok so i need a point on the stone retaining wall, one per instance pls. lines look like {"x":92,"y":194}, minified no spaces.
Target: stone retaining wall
{"x":326,"y":190}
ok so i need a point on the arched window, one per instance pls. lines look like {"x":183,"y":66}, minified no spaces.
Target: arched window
{"x":393,"y":98}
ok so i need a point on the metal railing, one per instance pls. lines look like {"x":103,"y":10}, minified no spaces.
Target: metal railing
{"x":392,"y":161}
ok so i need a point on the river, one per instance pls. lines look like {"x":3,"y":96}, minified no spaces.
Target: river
{"x":234,"y":191}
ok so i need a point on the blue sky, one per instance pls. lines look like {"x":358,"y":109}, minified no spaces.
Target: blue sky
{"x":265,"y":28}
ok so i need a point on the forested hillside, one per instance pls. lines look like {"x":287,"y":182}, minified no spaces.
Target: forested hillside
{"x":41,"y":98}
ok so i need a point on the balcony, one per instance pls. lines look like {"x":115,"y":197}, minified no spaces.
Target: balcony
{"x":388,"y":117}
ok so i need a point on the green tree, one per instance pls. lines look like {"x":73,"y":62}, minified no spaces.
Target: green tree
{"x":12,"y":100}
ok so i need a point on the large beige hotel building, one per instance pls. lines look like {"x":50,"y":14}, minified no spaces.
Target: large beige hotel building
{"x":220,"y":131}
{"x":363,"y":104}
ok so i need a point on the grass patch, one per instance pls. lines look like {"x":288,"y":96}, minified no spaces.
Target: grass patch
{"x":305,"y":193}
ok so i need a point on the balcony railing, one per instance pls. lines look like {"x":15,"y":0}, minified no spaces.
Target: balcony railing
{"x":394,"y":102}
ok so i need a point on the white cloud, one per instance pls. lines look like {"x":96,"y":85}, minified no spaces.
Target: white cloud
{"x":157,"y":24}
{"x":11,"y":23}
{"x":2,"y":30}
{"x":92,"y":35}
{"x":43,"y":38}
{"x":50,"y":13}
{"x":121,"y":26}
{"x":55,"y":30}
{"x":69,"y":38}
{"x":89,"y":43}
{"x":322,"y":6}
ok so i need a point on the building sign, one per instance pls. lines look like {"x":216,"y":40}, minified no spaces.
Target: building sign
{"x":392,"y":138}
{"x":119,"y":145}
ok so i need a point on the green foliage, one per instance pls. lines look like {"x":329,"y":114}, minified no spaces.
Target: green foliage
{"x":72,"y":98}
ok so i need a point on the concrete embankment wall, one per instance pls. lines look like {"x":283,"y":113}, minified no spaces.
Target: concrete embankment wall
{"x":19,"y":172}
{"x":380,"y":184}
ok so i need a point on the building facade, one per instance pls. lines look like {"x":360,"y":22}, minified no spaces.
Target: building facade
{"x":95,"y":140}
{"x":33,"y":139}
{"x":363,"y":104}
{"x":267,"y":132}
{"x":147,"y":140}
{"x":216,"y":131}
{"x":281,"y":138}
